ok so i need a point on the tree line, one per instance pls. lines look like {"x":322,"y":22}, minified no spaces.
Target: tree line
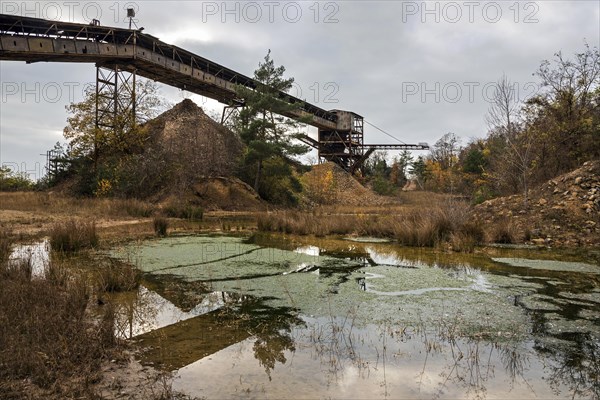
{"x":527,"y":143}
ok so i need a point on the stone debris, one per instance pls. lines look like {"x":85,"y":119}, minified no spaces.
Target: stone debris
{"x":564,"y":211}
{"x":329,"y":184}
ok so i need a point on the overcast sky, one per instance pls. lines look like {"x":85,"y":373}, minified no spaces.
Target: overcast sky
{"x":414,"y":69}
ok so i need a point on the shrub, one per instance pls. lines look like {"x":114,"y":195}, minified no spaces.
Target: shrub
{"x":160,"y":226}
{"x":72,"y":235}
{"x":503,"y":232}
{"x":118,"y":277}
{"x":14,"y":181}
{"x":188,"y":211}
{"x":382,"y":186}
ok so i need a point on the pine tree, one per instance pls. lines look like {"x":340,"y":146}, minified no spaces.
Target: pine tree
{"x":266,"y":133}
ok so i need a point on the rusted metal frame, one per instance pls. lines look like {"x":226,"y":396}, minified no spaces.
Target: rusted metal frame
{"x":112,"y":84}
{"x":131,"y":36}
{"x":108,"y":33}
{"x":218,"y":72}
{"x":359,"y":162}
{"x":50,"y":28}
{"x":80,"y":31}
{"x":158,"y":45}
{"x":396,"y":146}
{"x":10,"y":29}
{"x":176,"y":53}
{"x":194,"y":63}
{"x":228,"y":112}
{"x":104,"y":81}
{"x":309,"y":141}
{"x":126,"y":85}
{"x":337,"y":133}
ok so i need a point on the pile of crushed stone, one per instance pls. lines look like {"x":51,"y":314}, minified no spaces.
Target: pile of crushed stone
{"x":197,"y":144}
{"x":329,"y":184}
{"x":202,"y":156}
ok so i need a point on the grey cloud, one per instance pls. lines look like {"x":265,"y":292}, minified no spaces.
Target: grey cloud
{"x":372,"y":53}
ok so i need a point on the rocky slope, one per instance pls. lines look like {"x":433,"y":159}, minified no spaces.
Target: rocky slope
{"x":564,"y":211}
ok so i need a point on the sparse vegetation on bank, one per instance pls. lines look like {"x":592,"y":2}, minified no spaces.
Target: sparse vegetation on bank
{"x":57,"y":326}
{"x":184,"y":211}
{"x":50,"y":347}
{"x":445,"y":224}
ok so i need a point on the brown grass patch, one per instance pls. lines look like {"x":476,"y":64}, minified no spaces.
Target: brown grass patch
{"x":448,"y":222}
{"x":73,"y":235}
{"x":503,"y":231}
{"x":48,"y":342}
{"x":56,"y":203}
{"x":6,"y":241}
{"x":116,"y":276}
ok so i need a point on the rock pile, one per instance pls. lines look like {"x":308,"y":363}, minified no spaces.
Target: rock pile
{"x":200,"y":157}
{"x":192,"y":141}
{"x":563,"y":211}
{"x":329,"y":184}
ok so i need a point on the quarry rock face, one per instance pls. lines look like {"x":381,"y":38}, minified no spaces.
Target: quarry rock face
{"x":563,"y":211}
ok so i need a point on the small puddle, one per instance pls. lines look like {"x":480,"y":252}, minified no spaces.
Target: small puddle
{"x":37,"y":254}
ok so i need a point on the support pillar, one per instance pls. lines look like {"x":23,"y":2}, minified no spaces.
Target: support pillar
{"x":115,"y":105}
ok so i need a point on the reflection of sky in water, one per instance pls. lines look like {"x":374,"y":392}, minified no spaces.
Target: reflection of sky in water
{"x":308,"y":250}
{"x":150,"y":311}
{"x":38,"y":253}
{"x":391,"y":258}
{"x":333,"y":360}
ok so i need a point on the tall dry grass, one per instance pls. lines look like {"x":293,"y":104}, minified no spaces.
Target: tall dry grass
{"x":56,"y":203}
{"x":446,"y":223}
{"x":503,"y":231}
{"x":48,"y":341}
{"x":6,"y":242}
{"x":73,"y":235}
{"x":117,"y":276}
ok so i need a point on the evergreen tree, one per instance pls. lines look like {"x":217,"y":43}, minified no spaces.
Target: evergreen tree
{"x":419,"y":170}
{"x":266,"y":133}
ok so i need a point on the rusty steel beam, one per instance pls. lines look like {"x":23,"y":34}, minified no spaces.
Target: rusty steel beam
{"x":125,"y":50}
{"x":38,"y":40}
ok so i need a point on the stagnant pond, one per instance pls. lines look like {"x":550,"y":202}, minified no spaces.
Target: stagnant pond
{"x":270,"y":316}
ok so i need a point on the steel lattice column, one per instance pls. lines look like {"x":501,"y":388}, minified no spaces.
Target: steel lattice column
{"x":115,"y":105}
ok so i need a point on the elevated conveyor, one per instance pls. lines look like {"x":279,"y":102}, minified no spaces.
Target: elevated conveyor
{"x":341,"y":136}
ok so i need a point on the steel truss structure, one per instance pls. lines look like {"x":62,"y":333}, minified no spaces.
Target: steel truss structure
{"x":117,"y":51}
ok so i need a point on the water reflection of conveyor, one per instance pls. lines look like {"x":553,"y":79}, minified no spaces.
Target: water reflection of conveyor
{"x":176,"y":338}
{"x":178,"y":345}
